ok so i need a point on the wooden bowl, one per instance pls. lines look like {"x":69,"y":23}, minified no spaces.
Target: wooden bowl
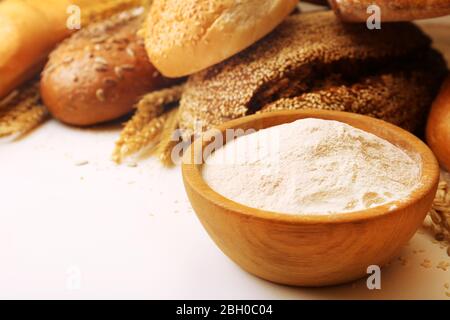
{"x":312,"y":250}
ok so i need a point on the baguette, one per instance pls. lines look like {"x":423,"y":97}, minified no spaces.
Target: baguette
{"x":30,"y":29}
{"x":187,"y":36}
{"x":28,"y":32}
{"x":438,"y":126}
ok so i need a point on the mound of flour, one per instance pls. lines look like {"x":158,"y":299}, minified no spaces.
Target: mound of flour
{"x":311,"y":166}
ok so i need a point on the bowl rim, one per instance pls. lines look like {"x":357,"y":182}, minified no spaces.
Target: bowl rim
{"x":429,"y":178}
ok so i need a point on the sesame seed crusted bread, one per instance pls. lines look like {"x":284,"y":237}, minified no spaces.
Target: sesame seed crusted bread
{"x":395,"y":95}
{"x":183,"y":37}
{"x":315,"y":61}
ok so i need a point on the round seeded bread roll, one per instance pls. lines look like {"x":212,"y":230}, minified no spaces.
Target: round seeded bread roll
{"x":183,"y":37}
{"x":100,"y":72}
{"x":438,"y":127}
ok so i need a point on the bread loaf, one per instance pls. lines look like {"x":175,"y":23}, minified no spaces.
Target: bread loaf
{"x":183,"y":37}
{"x":313,"y":60}
{"x":438,"y":127}
{"x":99,"y":72}
{"x":29,"y":31}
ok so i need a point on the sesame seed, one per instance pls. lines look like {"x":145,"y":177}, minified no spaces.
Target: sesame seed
{"x":119,"y":72}
{"x":81,"y":163}
{"x":68,"y":60}
{"x":127,"y":67}
{"x":100,"y":94}
{"x":130,"y":52}
{"x":100,"y":60}
{"x":99,"y":39}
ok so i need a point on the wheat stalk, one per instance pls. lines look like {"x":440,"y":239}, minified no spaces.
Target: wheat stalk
{"x":438,"y":219}
{"x":146,"y":125}
{"x":167,"y":141}
{"x":22,"y":111}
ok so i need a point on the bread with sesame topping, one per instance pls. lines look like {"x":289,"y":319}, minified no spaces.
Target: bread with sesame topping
{"x":100,"y":72}
{"x":315,"y":61}
{"x":183,"y":37}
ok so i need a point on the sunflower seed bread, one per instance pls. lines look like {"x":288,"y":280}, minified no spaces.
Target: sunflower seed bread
{"x":100,"y":72}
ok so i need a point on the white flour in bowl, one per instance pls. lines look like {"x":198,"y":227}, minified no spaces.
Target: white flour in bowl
{"x":319,"y":167}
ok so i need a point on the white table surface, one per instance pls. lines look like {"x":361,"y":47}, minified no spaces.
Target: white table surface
{"x":107,"y":231}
